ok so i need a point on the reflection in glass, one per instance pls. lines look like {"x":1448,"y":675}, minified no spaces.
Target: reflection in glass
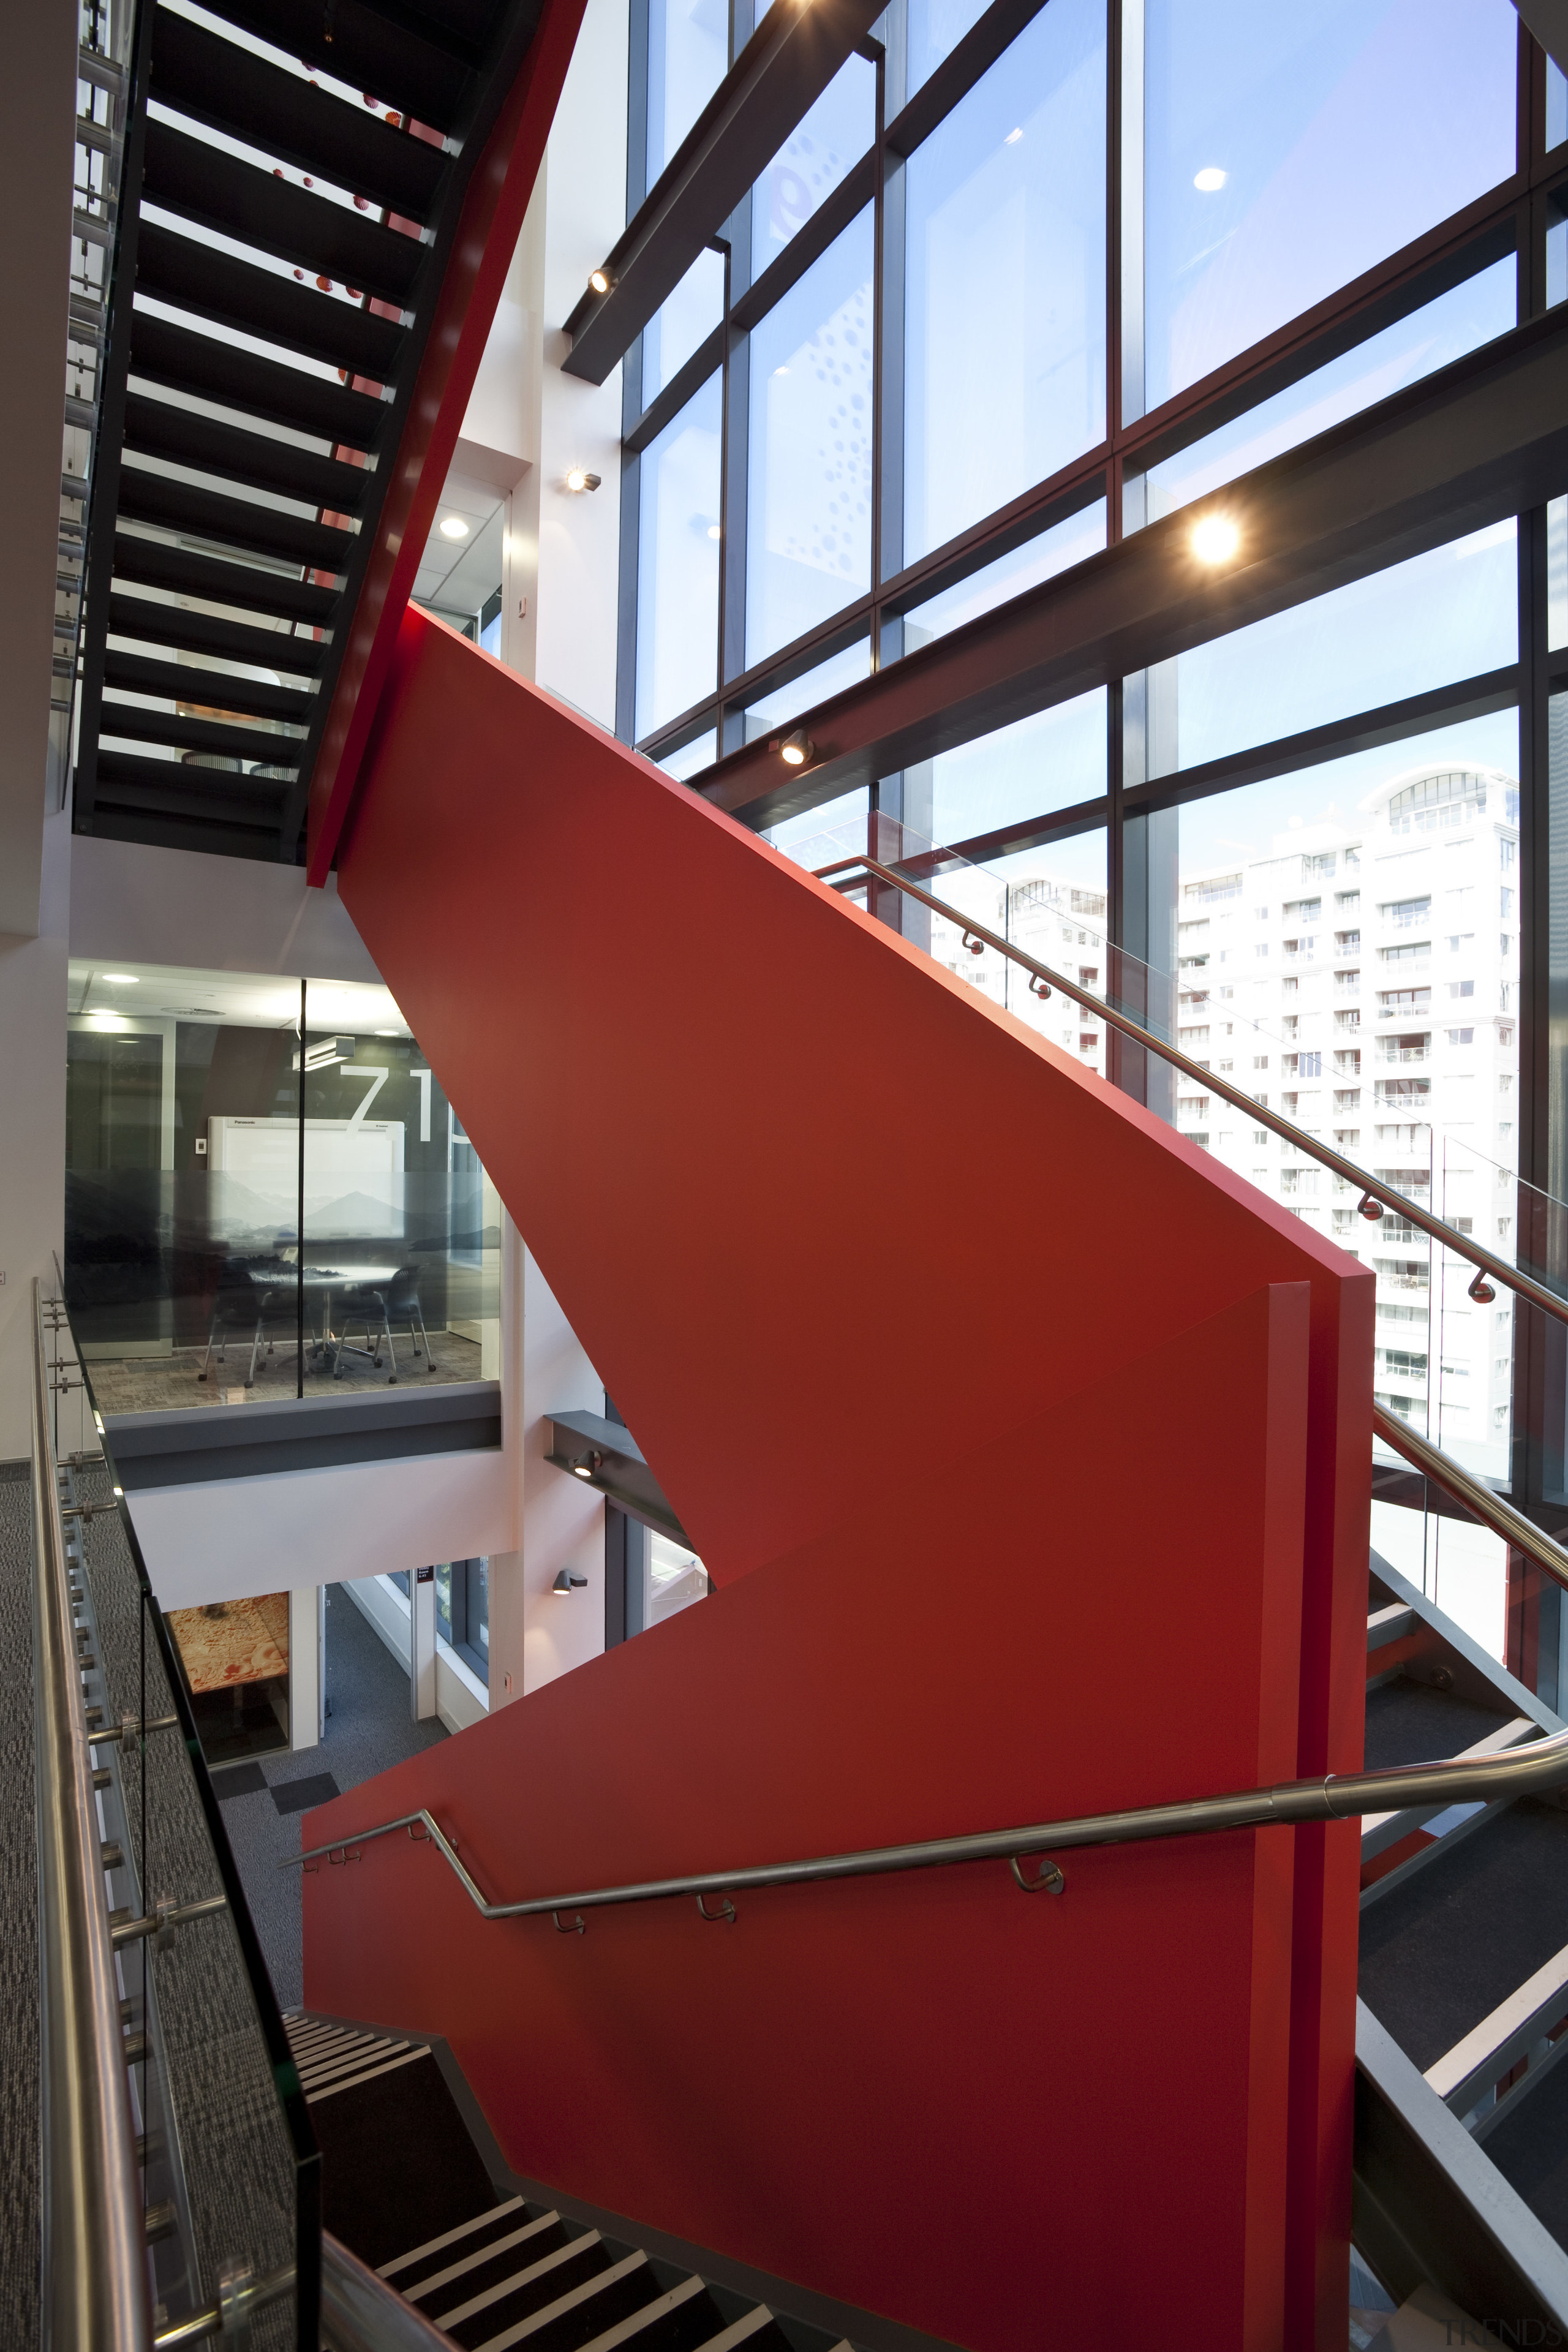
{"x":1051,"y":761}
{"x":1556,"y":104}
{"x":688,"y":57}
{"x":677,"y":563}
{"x":809,"y":507}
{"x":676,"y":1578}
{"x":1056,"y":549}
{"x":809,"y":166}
{"x":1459,"y":322}
{"x":1557,"y":573}
{"x":682,"y":324}
{"x":1005,"y":275}
{"x":812,"y":685}
{"x":824,"y":830}
{"x":462,"y":1610}
{"x":690,"y":758}
{"x":935,"y":30}
{"x":1290,"y":150}
{"x":1449,"y":615}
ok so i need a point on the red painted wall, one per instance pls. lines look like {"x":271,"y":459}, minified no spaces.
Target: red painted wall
{"x":1030,"y":1452}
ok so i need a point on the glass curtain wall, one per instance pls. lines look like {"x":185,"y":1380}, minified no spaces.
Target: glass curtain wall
{"x":1114,"y":254}
{"x":268,"y":1195}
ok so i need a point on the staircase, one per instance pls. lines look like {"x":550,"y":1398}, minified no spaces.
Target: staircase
{"x":1463,"y":1966}
{"x":507,"y":2270}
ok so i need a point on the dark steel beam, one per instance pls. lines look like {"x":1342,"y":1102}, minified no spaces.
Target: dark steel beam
{"x":779,"y":75}
{"x":1484,"y":438}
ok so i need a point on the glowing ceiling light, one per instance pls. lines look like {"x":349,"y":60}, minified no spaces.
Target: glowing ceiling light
{"x":122,"y":978}
{"x":1216,"y":540}
{"x":453,"y":527}
{"x":714,"y":531}
{"x":600,"y":280}
{"x":798,"y":750}
{"x":1012,"y":137}
{"x":1210,"y":180}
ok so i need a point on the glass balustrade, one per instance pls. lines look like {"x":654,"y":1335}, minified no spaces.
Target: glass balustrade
{"x":226,"y":2170}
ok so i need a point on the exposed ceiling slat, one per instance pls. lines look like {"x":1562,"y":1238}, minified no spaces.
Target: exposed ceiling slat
{"x":214,"y":688}
{"x":217,"y":190}
{"x":233,"y":522}
{"x":182,"y":271}
{"x":154,"y":563}
{"x":209,"y":634}
{"x":396,"y":55}
{"x":251,"y":745}
{"x":160,"y":429}
{"x":162,"y":352}
{"x":212,"y":80}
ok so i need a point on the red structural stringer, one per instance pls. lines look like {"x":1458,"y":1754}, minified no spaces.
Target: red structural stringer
{"x":1029,"y":1452}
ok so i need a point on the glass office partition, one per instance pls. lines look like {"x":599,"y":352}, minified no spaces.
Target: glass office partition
{"x":257,"y":1209}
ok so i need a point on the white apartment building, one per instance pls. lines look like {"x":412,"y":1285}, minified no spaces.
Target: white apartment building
{"x":1363,"y":980}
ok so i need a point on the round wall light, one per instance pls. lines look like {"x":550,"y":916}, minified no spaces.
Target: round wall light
{"x":1215,"y":539}
{"x":798,"y":750}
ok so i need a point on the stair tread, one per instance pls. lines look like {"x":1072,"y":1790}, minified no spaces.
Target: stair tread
{"x":1410,"y":1723}
{"x":449,"y":2238}
{"x":522,"y":2279}
{"x":493,"y":2249}
{"x":1439,"y":1953}
{"x":356,"y":2076}
{"x":633,"y":2269}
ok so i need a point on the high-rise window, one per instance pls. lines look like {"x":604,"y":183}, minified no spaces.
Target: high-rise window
{"x":1005,"y":256}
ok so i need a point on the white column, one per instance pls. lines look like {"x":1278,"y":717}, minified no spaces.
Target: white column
{"x":422,"y":1645}
{"x":305,"y":1690}
{"x":535,"y":1632}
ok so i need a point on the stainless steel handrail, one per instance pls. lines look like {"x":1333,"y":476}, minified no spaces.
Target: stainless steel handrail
{"x":1462,"y":1780}
{"x":94,"y":2250}
{"x":1472,"y":1492}
{"x":1429,"y":1459}
{"x":1372,"y":1188}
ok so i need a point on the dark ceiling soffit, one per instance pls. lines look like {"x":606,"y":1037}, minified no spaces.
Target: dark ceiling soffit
{"x":1547,"y":20}
{"x":776,"y":79}
{"x":623,"y":1473}
{"x":1485,"y":438}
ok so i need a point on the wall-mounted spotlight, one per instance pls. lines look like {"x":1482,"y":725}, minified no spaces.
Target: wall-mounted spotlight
{"x":1215,"y":539}
{"x":600,"y":281}
{"x":798,"y":750}
{"x":578,"y":479}
{"x":566,"y":1582}
{"x":589,"y":1465}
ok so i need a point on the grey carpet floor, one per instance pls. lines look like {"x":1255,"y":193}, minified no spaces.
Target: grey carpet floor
{"x":156,"y":1383}
{"x":369,"y":1730}
{"x":19,"y":1897}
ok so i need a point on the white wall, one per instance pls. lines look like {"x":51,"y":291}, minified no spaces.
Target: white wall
{"x":32,"y":1126}
{"x":214,"y":914}
{"x":562,"y":548}
{"x":228,"y":1538}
